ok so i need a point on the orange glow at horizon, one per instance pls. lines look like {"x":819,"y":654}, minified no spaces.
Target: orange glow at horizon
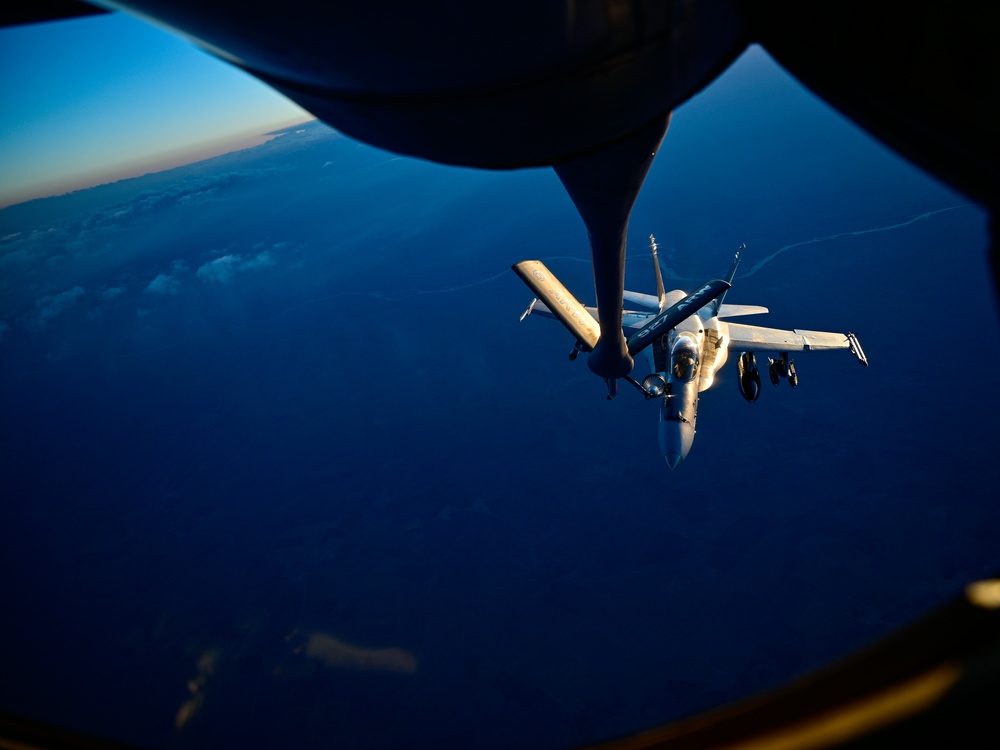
{"x":160,"y":162}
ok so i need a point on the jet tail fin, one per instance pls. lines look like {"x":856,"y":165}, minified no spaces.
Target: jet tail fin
{"x":661,"y":293}
{"x":731,"y":275}
{"x":563,"y":305}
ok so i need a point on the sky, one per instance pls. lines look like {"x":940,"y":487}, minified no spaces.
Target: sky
{"x":98,"y":99}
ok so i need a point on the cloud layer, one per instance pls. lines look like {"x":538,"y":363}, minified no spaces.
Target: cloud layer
{"x":221,"y":270}
{"x":163,"y":284}
{"x":51,"y":306}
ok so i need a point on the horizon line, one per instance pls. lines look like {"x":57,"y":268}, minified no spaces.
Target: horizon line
{"x":163,"y":162}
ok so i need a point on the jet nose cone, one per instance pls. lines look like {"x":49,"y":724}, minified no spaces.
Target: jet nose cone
{"x":675,"y":441}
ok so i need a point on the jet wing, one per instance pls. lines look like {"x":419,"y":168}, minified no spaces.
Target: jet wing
{"x":725,"y":310}
{"x":557,"y":301}
{"x":760,"y":339}
{"x":645,"y":300}
{"x":632,"y":320}
{"x":731,"y":311}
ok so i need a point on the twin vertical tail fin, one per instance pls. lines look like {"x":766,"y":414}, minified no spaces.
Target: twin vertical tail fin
{"x":661,"y":293}
{"x":736,"y":262}
{"x":731,"y":275}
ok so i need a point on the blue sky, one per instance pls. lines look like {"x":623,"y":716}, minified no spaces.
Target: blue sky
{"x":98,"y":99}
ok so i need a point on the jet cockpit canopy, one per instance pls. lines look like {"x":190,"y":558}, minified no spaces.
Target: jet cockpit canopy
{"x":684,"y":359}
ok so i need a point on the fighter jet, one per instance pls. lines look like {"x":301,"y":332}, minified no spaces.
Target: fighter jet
{"x":687,"y":339}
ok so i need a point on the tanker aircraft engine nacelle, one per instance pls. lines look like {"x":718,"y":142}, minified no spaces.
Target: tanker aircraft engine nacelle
{"x":749,"y":380}
{"x":686,"y":339}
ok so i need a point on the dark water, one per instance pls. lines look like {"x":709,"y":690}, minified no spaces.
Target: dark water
{"x":281,"y":468}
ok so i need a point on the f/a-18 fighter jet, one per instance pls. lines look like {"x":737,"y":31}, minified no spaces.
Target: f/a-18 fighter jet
{"x":687,"y":339}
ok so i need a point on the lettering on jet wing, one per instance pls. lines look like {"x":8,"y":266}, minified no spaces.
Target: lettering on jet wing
{"x":560,"y":301}
{"x":558,"y":297}
{"x":565,"y":301}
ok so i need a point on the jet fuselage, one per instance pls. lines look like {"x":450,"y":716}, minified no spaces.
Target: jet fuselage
{"x":687,"y":357}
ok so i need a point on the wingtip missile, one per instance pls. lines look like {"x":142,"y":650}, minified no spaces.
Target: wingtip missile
{"x":528,"y":310}
{"x":856,"y":350}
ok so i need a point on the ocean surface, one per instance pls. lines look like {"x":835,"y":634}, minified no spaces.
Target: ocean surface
{"x":281,"y":469}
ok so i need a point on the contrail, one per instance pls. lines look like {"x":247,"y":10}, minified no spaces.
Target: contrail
{"x":763,"y":262}
{"x":636,"y":256}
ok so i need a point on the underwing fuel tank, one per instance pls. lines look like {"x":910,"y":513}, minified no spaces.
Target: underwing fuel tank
{"x":749,"y":380}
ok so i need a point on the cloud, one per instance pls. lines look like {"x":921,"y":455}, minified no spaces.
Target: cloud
{"x":193,"y":189}
{"x":51,"y":306}
{"x":259,"y":261}
{"x":163,"y":284}
{"x":112,"y":292}
{"x":4,"y":327}
{"x":206,"y":668}
{"x":15,"y":256}
{"x":221,"y":270}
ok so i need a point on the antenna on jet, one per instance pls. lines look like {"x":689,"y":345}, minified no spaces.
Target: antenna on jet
{"x":660,"y":291}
